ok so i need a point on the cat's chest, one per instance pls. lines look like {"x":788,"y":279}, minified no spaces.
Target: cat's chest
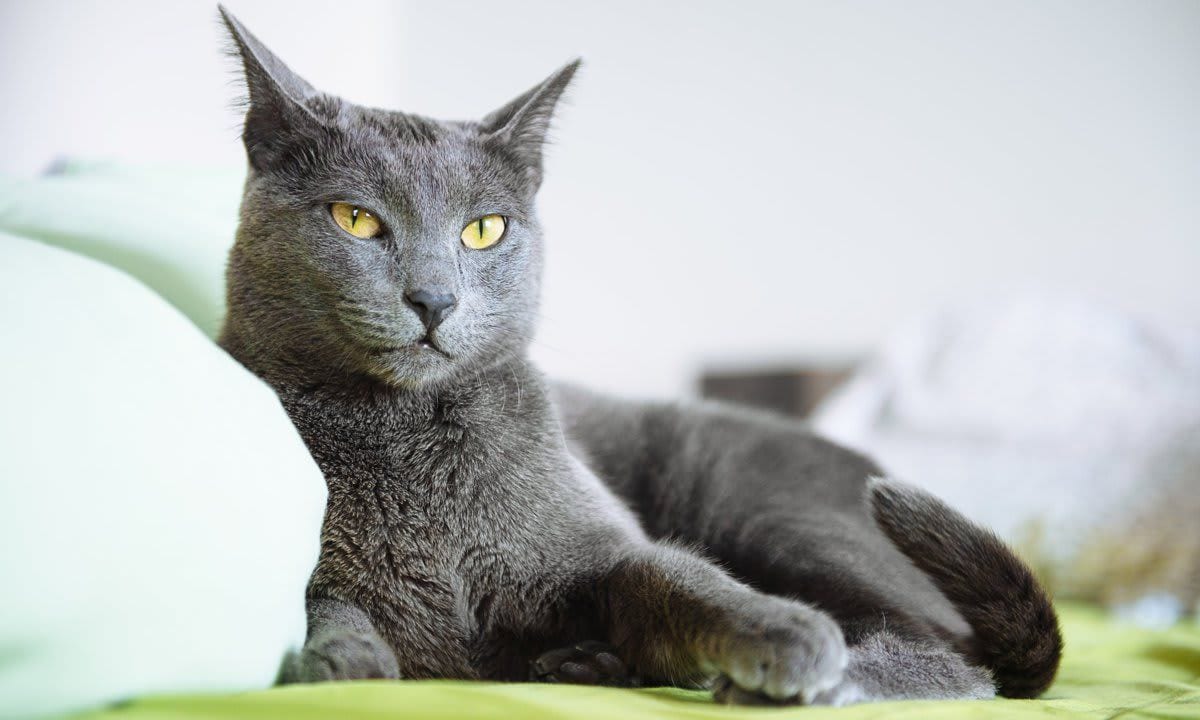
{"x":426,"y":487}
{"x":458,"y":515}
{"x":430,"y":499}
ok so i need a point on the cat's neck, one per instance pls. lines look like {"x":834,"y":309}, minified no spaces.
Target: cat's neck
{"x":511,"y":396}
{"x":359,"y":420}
{"x":374,"y":436}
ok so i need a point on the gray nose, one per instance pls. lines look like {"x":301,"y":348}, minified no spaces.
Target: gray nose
{"x":431,"y":307}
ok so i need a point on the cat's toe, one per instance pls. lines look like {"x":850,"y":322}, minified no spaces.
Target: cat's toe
{"x":586,"y":663}
{"x":727,"y":692}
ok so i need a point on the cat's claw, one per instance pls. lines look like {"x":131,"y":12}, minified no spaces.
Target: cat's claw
{"x":585,"y":663}
{"x":792,"y":656}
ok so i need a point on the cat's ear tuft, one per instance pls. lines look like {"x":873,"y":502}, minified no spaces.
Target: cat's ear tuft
{"x":521,"y":126}
{"x":275,"y":105}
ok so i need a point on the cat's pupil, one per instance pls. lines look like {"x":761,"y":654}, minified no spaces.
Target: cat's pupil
{"x":353,"y":217}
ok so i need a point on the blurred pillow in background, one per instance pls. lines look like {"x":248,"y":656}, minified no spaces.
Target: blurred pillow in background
{"x":170,"y":227}
{"x":159,"y":514}
{"x":1071,"y":429}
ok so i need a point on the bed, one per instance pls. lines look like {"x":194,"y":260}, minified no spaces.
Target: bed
{"x":1109,"y":670}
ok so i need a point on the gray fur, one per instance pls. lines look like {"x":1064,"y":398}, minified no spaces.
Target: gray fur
{"x":479,"y":523}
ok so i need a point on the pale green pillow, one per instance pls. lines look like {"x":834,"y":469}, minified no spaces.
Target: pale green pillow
{"x":159,"y":514}
{"x":171,"y":228}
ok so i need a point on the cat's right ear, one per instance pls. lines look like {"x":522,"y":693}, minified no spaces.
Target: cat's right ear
{"x":276,"y":113}
{"x":520,"y":127}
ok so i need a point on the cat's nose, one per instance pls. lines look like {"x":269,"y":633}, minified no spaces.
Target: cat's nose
{"x":432,"y":307}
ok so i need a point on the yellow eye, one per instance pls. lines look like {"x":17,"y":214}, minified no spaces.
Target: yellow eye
{"x":356,"y":221}
{"x":484,"y":232}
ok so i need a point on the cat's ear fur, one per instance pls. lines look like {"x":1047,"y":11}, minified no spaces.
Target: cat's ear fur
{"x":276,"y":112}
{"x":520,"y":127}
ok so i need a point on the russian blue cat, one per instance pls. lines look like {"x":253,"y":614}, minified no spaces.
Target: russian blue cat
{"x":482,"y":523}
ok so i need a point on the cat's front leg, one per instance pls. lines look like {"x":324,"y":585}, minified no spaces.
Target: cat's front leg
{"x":676,"y":617}
{"x":342,"y":644}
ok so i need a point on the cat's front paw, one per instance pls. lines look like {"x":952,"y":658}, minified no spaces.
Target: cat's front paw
{"x":779,"y":651}
{"x":586,"y":663}
{"x":341,"y":655}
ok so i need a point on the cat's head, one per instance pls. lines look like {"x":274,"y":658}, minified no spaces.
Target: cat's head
{"x":381,"y":244}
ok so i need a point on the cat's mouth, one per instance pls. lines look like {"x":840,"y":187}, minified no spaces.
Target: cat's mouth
{"x":428,"y":344}
{"x":423,"y":346}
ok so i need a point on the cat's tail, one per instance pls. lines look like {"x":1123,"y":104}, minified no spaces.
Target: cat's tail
{"x":1016,"y":629}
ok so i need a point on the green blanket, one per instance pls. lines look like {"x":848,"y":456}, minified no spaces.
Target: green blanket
{"x":1109,"y":670}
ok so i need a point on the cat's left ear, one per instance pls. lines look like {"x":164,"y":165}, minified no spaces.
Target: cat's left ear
{"x":276,"y":114}
{"x":520,"y":127}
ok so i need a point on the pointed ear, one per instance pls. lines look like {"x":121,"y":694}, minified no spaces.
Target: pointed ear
{"x":520,"y":127}
{"x":276,"y":114}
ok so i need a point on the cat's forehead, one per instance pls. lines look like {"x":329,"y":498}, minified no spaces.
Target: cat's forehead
{"x":420,"y":158}
{"x":393,"y":128}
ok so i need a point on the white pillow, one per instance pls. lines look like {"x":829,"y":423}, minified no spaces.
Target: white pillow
{"x":159,"y":514}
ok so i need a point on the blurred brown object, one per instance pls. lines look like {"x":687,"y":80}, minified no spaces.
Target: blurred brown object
{"x":793,"y":391}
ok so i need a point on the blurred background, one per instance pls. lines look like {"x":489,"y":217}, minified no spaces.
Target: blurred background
{"x":975,"y":223}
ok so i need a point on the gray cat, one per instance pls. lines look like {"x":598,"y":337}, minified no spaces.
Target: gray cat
{"x":482,"y":524}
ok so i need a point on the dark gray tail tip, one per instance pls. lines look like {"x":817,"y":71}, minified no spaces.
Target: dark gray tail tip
{"x":1027,"y":670}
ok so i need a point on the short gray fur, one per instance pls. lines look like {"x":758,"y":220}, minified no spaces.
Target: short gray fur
{"x":481,"y":524}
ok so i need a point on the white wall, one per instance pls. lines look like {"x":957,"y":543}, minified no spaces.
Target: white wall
{"x":732,"y":182}
{"x":147,"y":80}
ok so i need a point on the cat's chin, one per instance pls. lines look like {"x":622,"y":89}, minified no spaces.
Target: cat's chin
{"x":412,"y":366}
